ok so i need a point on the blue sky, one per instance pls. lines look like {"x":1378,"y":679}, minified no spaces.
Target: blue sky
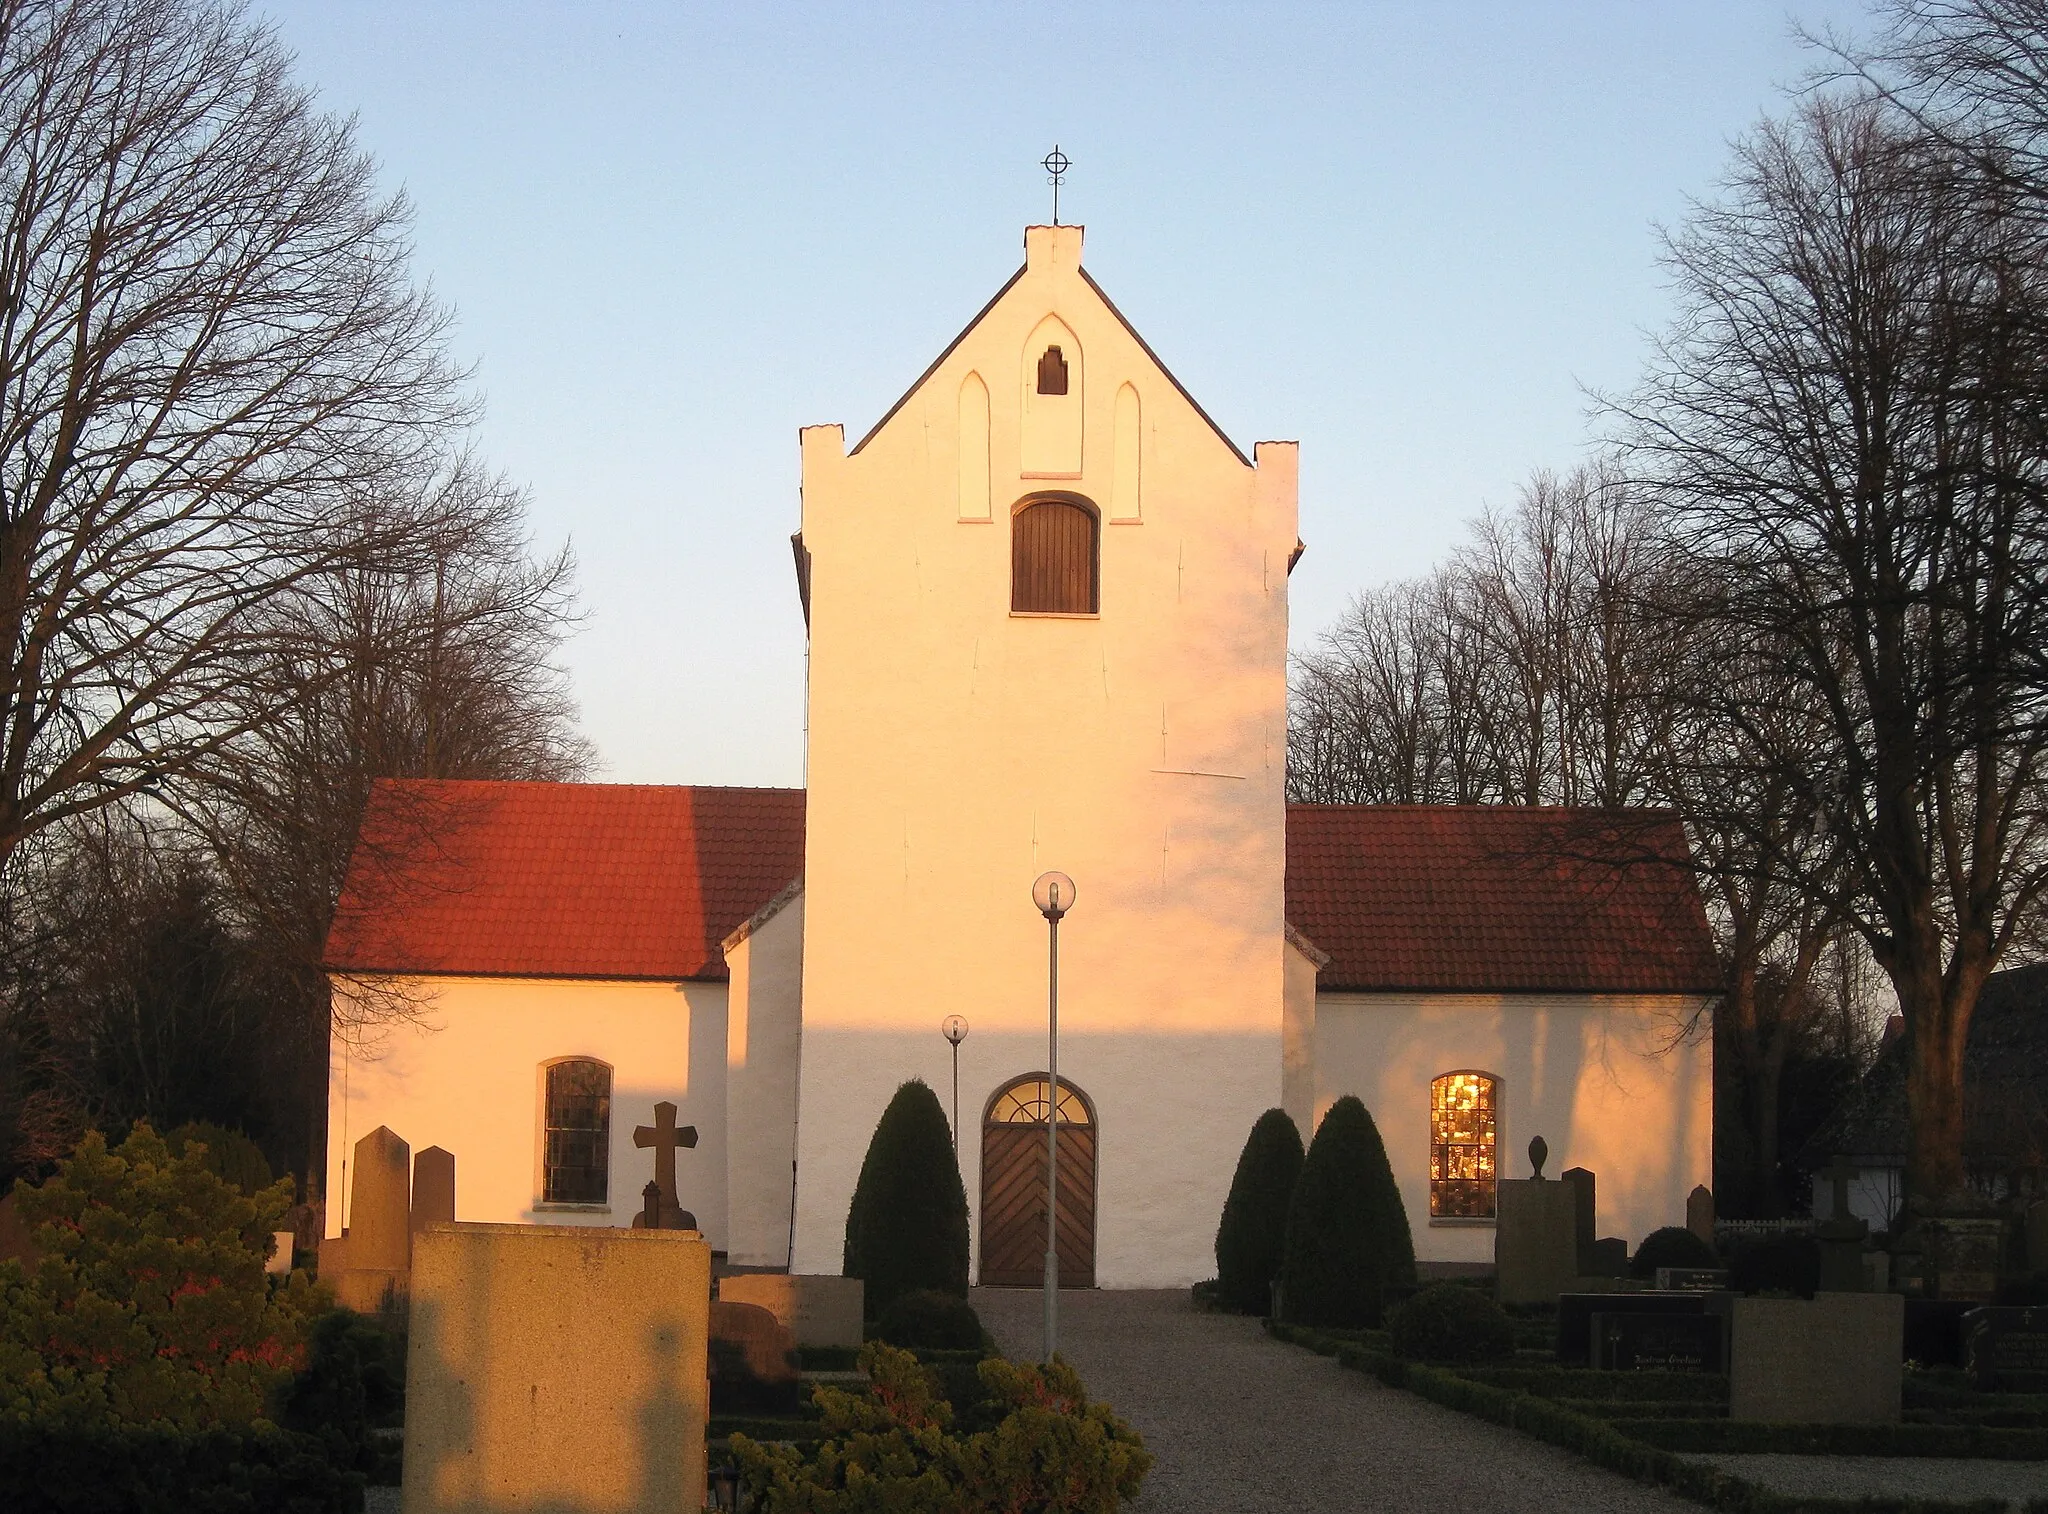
{"x":1410,"y":236}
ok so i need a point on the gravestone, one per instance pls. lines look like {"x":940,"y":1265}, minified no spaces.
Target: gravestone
{"x":1834,"y":1359}
{"x":1535,"y":1234}
{"x":1575,"y":1313}
{"x":1961,"y":1257}
{"x":433,"y":1188}
{"x":1691,"y":1279}
{"x":818,"y":1311}
{"x":1635,"y":1342}
{"x":1699,"y":1213}
{"x":1609,"y":1258}
{"x":752,"y":1360}
{"x":1841,"y":1235}
{"x":377,"y":1246}
{"x":2007,"y":1349}
{"x":2037,"y":1236}
{"x":662,"y":1211}
{"x":556,"y":1367}
{"x":279,"y":1262}
{"x":1584,"y":1186}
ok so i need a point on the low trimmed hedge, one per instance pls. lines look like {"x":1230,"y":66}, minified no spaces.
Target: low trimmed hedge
{"x":153,"y":1470}
{"x":1745,"y":1436}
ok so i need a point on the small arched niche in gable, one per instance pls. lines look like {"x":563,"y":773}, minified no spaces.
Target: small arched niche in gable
{"x":1125,"y":479}
{"x":1052,"y":384}
{"x":973,"y":435}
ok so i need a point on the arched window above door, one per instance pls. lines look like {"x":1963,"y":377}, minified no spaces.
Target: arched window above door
{"x":1023,"y":1103}
{"x":1055,"y":557}
{"x":1463,"y":1110}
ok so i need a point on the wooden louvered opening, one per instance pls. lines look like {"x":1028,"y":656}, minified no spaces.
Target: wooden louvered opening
{"x":1013,"y":1187}
{"x":1054,"y":558}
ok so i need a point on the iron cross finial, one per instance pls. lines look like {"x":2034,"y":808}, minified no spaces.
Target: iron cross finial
{"x":1056,"y":164}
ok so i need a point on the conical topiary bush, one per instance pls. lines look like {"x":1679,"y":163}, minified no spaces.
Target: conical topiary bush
{"x":1347,"y":1231}
{"x":907,"y":1226}
{"x":1254,"y":1229}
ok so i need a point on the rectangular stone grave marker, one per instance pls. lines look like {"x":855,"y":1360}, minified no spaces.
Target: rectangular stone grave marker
{"x":379,"y":1237}
{"x":819,"y":1311}
{"x":1691,"y":1279}
{"x":1699,"y":1213}
{"x":1962,"y":1257}
{"x":556,"y":1367}
{"x":2007,"y":1348}
{"x":433,"y":1188}
{"x":1835,"y":1359}
{"x":1657,"y":1342}
{"x":1586,"y":1207}
{"x":1535,"y":1239}
{"x":1575,"y":1313}
{"x":279,"y":1261}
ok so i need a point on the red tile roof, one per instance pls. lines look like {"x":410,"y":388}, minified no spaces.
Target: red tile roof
{"x":1485,"y":899}
{"x":568,"y":880}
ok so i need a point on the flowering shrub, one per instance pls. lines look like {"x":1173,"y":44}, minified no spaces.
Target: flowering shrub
{"x":892,"y":1450}
{"x":150,"y":1304}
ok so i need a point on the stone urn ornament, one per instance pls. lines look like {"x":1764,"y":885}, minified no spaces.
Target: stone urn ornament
{"x":1539,"y":1153}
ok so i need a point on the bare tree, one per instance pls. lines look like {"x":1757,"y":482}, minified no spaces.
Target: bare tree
{"x":210,"y":357}
{"x":1845,"y":425}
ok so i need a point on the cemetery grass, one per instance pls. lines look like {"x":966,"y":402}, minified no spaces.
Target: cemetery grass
{"x":1641,"y":1424}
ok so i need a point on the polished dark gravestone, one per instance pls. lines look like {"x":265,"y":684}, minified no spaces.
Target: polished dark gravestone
{"x":2007,"y":1348}
{"x":1575,"y":1313}
{"x":1691,"y":1279}
{"x":1634,"y":1342}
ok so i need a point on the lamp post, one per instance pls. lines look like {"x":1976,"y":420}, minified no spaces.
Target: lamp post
{"x":954,"y":1029}
{"x":1053,"y":893}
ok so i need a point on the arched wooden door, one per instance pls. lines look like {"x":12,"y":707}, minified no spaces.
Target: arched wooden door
{"x":1013,"y":1186}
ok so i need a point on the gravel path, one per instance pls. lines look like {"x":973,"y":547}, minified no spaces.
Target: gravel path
{"x":1237,"y":1422}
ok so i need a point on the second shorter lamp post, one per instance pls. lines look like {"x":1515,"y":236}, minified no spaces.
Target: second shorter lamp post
{"x":954,"y":1029}
{"x":1053,"y":893}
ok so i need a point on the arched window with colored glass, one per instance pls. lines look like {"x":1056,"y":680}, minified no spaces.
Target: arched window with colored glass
{"x":1464,"y":1109}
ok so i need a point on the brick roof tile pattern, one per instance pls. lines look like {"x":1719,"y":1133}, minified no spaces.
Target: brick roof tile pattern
{"x":576,"y":880}
{"x":560,"y":880}
{"x":1497,"y":899}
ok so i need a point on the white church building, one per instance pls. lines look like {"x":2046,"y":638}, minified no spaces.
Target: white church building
{"x":1047,"y":601}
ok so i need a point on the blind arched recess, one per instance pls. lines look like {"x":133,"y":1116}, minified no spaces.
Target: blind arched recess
{"x":1053,"y":558}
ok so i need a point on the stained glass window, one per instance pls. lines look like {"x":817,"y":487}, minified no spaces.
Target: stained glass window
{"x":577,"y":1164}
{"x":1461,"y":1146}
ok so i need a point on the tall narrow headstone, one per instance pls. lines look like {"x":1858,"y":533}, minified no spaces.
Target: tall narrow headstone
{"x":1585,"y":1234}
{"x":433,"y":1187}
{"x":1535,"y":1240}
{"x":379,"y":1236}
{"x":1699,"y":1213}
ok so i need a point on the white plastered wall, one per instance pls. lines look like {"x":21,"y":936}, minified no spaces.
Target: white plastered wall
{"x":465,"y":1074}
{"x":1611,"y":1083}
{"x":957,"y":750}
{"x":763,"y":1029}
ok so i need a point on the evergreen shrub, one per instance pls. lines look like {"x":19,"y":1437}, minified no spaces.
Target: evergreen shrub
{"x":354,"y":1381}
{"x":1348,"y":1242}
{"x":927,"y":1320}
{"x":228,"y":1154}
{"x":1253,"y":1234}
{"x":52,"y":1468}
{"x":907,"y":1226}
{"x":149,"y":1303}
{"x":1673,"y":1246}
{"x":897,"y":1447}
{"x":1448,"y":1322}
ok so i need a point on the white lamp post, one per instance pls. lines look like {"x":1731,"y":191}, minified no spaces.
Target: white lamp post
{"x":954,"y":1029}
{"x":1053,"y":893}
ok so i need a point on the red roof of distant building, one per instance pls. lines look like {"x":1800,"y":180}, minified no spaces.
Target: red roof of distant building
{"x":1497,"y":899}
{"x":563,"y":880}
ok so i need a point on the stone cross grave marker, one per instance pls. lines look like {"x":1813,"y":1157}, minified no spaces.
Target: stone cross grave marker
{"x":664,"y":1136}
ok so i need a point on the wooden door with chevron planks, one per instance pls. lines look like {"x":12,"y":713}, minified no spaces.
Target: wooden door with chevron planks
{"x":1013,"y":1188}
